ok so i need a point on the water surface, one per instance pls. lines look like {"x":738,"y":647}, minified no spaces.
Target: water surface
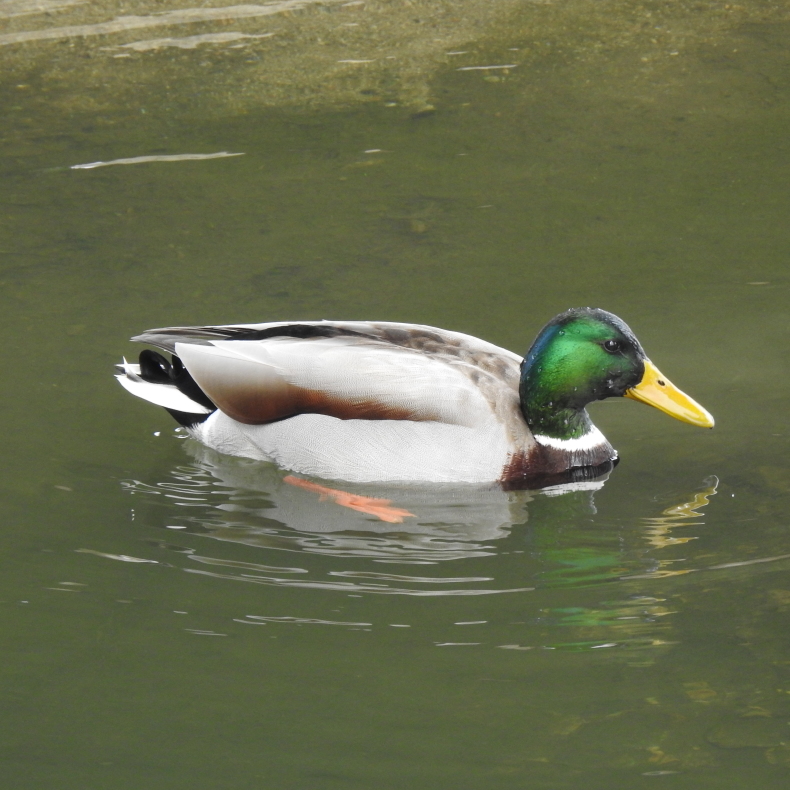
{"x":174,"y":618}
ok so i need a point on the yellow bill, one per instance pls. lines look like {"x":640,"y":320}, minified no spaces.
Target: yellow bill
{"x":657,"y":390}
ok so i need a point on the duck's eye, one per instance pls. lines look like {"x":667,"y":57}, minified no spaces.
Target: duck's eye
{"x":612,"y":346}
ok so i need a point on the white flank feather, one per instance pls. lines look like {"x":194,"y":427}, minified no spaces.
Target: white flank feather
{"x":365,"y":450}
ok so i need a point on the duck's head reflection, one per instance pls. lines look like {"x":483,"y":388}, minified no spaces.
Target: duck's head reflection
{"x":255,"y":503}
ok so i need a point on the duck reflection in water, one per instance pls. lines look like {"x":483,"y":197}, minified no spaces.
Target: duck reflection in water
{"x":250,"y":502}
{"x":257,"y":504}
{"x":493,"y":544}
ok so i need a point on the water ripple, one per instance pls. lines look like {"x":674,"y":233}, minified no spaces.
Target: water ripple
{"x":253,"y":566}
{"x":418,"y":579}
{"x":348,"y":587}
{"x":261,"y":620}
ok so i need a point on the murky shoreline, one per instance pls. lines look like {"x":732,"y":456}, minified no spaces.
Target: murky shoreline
{"x":325,"y":54}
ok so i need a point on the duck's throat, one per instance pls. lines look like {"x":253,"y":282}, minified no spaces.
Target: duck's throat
{"x":557,"y":423}
{"x":569,"y":439}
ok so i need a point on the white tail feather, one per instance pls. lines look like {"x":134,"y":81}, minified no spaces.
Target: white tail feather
{"x":166,"y":395}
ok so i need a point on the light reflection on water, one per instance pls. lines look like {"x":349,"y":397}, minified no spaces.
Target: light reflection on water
{"x":484,"y":532}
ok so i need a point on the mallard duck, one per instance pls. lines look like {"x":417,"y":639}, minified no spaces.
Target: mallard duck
{"x":378,"y":401}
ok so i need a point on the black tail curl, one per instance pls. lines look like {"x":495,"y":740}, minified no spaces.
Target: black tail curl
{"x":156,"y":369}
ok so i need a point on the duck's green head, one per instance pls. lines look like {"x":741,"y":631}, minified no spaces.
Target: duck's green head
{"x":586,"y":354}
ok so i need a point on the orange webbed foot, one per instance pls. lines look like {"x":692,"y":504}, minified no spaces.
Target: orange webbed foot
{"x":364,"y":504}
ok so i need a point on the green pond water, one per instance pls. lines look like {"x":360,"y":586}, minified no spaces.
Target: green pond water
{"x":172,"y":618}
